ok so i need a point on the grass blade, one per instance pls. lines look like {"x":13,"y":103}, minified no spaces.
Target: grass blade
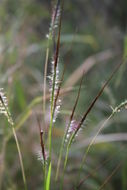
{"x":48,"y":178}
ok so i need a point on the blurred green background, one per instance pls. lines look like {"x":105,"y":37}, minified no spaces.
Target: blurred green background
{"x":93,"y":39}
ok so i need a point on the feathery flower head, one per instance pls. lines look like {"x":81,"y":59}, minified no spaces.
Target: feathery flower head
{"x":72,"y":128}
{"x":40,"y":156}
{"x":4,"y":107}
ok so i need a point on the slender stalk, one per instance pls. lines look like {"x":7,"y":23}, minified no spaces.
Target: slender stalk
{"x":65,"y":162}
{"x":20,"y":158}
{"x":66,"y":131}
{"x":60,"y":153}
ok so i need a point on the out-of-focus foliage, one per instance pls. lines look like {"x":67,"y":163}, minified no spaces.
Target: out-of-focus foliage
{"x":88,"y":29}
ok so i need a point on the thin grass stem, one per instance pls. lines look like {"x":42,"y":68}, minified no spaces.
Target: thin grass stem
{"x":66,"y":131}
{"x":20,"y":158}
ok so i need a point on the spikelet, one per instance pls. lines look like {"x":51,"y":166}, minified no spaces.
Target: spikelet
{"x":57,"y":104}
{"x":118,"y":108}
{"x":54,"y":21}
{"x":71,"y":129}
{"x":4,"y":107}
{"x":41,"y":158}
{"x":50,"y":77}
{"x":57,"y":110}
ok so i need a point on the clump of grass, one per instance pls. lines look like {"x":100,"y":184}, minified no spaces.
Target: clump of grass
{"x":74,"y":126}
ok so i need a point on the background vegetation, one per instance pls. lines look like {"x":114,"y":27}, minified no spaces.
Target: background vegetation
{"x":93,"y":39}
